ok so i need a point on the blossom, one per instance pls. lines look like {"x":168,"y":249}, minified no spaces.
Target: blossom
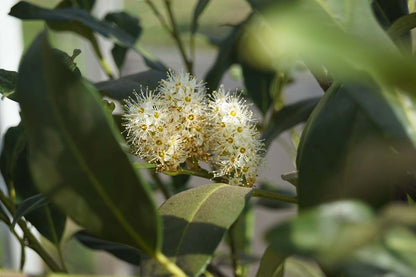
{"x":179,"y":122}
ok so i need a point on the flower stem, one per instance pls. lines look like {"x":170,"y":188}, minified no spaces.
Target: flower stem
{"x":274,"y":196}
{"x":169,"y":265}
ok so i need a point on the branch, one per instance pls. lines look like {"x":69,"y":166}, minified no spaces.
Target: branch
{"x":274,"y":196}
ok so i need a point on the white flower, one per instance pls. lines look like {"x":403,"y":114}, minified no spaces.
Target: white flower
{"x":177,"y":122}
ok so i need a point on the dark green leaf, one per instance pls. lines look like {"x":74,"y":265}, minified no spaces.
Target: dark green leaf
{"x":8,"y":83}
{"x":402,"y":25}
{"x":83,"y":4}
{"x":194,"y":224}
{"x":81,"y":22}
{"x":353,"y":146}
{"x":69,"y":60}
{"x":288,"y":117}
{"x":130,"y":25}
{"x":28,"y":205}
{"x":388,"y":11}
{"x":260,"y":86}
{"x":122,"y":88}
{"x":48,"y":220}
{"x":123,"y":252}
{"x":200,"y":7}
{"x":225,"y":58}
{"x":75,"y":153}
{"x":271,"y":264}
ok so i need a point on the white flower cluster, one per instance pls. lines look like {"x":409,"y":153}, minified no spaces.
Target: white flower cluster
{"x":178,"y":122}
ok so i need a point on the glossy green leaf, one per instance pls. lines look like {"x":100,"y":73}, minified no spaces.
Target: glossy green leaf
{"x":72,"y":142}
{"x":81,"y":22}
{"x":28,"y":205}
{"x":271,"y":264}
{"x":200,"y":7}
{"x":122,"y":88}
{"x":123,"y":252}
{"x":130,"y":25}
{"x":353,"y":146}
{"x":48,"y":220}
{"x":8,"y":83}
{"x":194,"y":224}
{"x":288,"y":117}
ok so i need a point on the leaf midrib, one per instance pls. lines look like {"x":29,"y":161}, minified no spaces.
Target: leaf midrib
{"x":193,"y":216}
{"x":96,"y":184}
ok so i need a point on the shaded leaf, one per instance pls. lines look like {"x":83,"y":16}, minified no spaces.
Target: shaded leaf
{"x":81,"y":22}
{"x":271,"y":264}
{"x":260,"y":86}
{"x":225,"y":58}
{"x":123,"y":252}
{"x":28,"y":205}
{"x":48,"y":220}
{"x":72,"y":141}
{"x":8,"y":83}
{"x":194,"y":224}
{"x":288,"y":117}
{"x":130,"y":25}
{"x":388,"y":11}
{"x":122,"y":88}
{"x":83,"y":4}
{"x":200,"y":7}
{"x":353,"y":146}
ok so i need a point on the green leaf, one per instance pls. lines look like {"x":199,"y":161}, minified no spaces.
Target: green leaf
{"x":48,"y":220}
{"x":28,"y":205}
{"x":388,"y":11}
{"x":302,"y":268}
{"x":288,"y":117}
{"x":8,"y":83}
{"x":402,"y":25}
{"x":200,"y":7}
{"x":260,"y":86}
{"x":81,"y":22}
{"x":271,"y":264}
{"x":75,"y":153}
{"x":328,"y":233}
{"x":130,"y":25}
{"x":83,"y":4}
{"x":122,"y":88}
{"x":194,"y":224}
{"x":123,"y":252}
{"x":225,"y":58}
{"x":353,"y":146}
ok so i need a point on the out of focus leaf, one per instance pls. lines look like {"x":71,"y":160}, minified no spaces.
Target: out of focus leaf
{"x":48,"y":220}
{"x":225,"y":58}
{"x":26,"y":206}
{"x":81,"y":22}
{"x":8,"y":83}
{"x":194,"y":224}
{"x":130,"y":25}
{"x":122,"y":88}
{"x":353,"y":146}
{"x":288,"y":117}
{"x":72,"y":142}
{"x":123,"y":252}
{"x":271,"y":264}
{"x":83,"y":4}
{"x":200,"y":7}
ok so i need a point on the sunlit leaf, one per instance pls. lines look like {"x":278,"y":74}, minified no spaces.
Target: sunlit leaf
{"x":194,"y":224}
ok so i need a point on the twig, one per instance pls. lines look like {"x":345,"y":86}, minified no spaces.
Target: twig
{"x":161,"y":185}
{"x":274,"y":196}
{"x":176,"y":36}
